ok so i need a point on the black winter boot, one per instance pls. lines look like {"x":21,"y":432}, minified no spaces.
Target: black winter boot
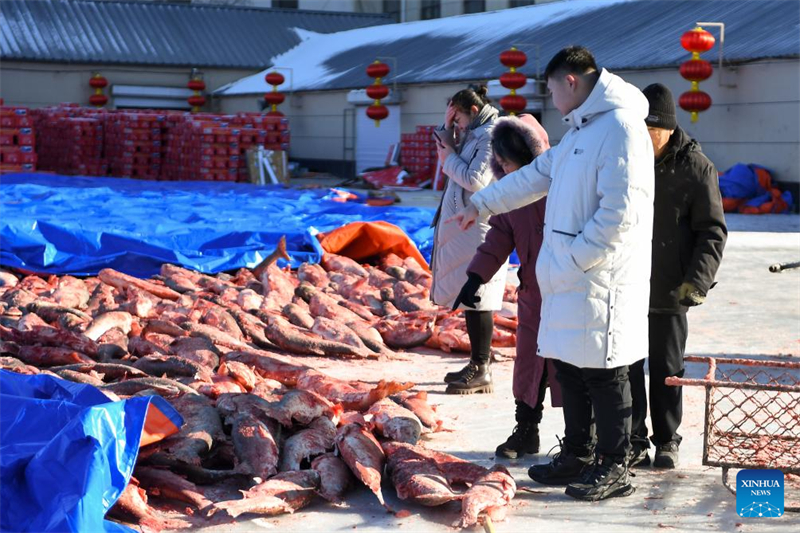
{"x":606,"y":478}
{"x":477,"y":378}
{"x":525,"y":437}
{"x":450,"y":377}
{"x":565,"y":468}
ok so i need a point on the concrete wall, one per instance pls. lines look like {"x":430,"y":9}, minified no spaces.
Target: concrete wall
{"x":41,"y":84}
{"x":758,"y":121}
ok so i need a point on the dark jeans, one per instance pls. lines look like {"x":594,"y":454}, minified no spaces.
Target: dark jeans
{"x":480,"y":326}
{"x":668,"y":334}
{"x":607,"y":393}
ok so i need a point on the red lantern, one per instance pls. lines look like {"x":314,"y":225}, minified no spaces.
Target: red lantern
{"x":513,"y":103}
{"x":694,"y":101}
{"x":275,"y":78}
{"x":377,"y":112}
{"x":378,"y":70}
{"x":377,"y":91}
{"x":696,"y":70}
{"x":196,"y":101}
{"x":513,"y":58}
{"x":697,"y":41}
{"x":98,"y":100}
{"x":274,"y":98}
{"x":513,"y":80}
{"x":98,"y":82}
{"x":196,"y":85}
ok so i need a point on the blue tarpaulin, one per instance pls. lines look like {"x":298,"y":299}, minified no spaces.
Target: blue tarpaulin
{"x":67,"y":452}
{"x":80,"y":225}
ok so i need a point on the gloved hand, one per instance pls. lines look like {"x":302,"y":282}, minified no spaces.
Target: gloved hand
{"x":689,"y":295}
{"x":468,"y":292}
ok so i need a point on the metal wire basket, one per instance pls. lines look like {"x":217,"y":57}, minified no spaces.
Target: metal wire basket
{"x":752,"y":418}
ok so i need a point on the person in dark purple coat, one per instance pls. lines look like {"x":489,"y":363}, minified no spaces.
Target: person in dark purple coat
{"x":516,"y":141}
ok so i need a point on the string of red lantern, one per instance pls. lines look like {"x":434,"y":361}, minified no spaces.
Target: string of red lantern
{"x":513,"y":80}
{"x":696,"y":70}
{"x":98,"y":83}
{"x":377,"y":91}
{"x":196,"y":100}
{"x":274,"y":98}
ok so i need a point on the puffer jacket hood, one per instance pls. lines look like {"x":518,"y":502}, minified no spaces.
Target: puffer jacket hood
{"x":609,"y":94}
{"x":529,"y":129}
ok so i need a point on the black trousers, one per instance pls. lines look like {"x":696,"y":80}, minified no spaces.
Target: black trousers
{"x":607,"y":393}
{"x":480,"y":326}
{"x":533,"y":413}
{"x":668,"y":334}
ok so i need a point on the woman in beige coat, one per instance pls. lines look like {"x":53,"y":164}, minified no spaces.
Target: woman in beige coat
{"x":466,"y":164}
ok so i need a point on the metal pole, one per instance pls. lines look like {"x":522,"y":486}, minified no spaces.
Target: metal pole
{"x":721,"y":26}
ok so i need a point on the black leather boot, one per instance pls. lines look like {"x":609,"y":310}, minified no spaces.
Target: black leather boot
{"x":477,"y":378}
{"x":525,"y":437}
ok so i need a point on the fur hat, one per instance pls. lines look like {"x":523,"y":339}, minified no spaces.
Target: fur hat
{"x":531,"y":131}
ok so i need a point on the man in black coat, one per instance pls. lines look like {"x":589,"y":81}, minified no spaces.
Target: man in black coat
{"x":689,"y":234}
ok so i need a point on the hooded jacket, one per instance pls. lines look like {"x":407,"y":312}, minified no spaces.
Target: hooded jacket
{"x":689,"y":230}
{"x":594,"y":266}
{"x":521,"y":229}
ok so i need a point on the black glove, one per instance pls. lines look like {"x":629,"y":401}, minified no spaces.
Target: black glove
{"x":468,"y":292}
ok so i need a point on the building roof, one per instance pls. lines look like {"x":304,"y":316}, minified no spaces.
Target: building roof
{"x":622,"y":34}
{"x":149,"y":33}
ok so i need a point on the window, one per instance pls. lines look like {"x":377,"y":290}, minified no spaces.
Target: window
{"x":285,"y":4}
{"x":474,"y":6}
{"x":431,"y":9}
{"x":392,"y":7}
{"x":521,"y":3}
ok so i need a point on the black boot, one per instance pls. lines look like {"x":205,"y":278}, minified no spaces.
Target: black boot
{"x":450,"y":377}
{"x":525,"y":437}
{"x":606,"y":478}
{"x":477,"y":378}
{"x":565,"y":468}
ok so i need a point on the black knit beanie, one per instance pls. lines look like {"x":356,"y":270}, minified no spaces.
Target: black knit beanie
{"x":662,"y":107}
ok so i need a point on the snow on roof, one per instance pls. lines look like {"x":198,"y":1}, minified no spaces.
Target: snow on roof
{"x":623,"y":34}
{"x":319,"y":61}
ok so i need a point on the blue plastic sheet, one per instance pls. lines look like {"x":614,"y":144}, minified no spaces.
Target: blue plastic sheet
{"x":66,"y":452}
{"x":741,"y":181}
{"x":80,"y":225}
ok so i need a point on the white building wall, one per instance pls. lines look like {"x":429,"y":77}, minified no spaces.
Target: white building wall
{"x":34,"y":84}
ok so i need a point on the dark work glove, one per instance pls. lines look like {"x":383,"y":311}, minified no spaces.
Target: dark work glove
{"x":689,"y":296}
{"x":468,"y":291}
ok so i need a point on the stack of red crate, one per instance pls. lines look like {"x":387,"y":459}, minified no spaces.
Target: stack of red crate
{"x":418,"y":153}
{"x":17,"y":140}
{"x":214,"y":147}
{"x":134,"y":144}
{"x":70,"y":139}
{"x":146,"y":144}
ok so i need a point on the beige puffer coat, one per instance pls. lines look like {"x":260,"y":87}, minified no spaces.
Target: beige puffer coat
{"x":468,"y":172}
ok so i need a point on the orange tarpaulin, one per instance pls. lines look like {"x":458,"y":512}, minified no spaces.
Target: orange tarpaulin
{"x":363,"y":240}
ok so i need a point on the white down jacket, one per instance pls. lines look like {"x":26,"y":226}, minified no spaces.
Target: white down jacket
{"x":594,"y":266}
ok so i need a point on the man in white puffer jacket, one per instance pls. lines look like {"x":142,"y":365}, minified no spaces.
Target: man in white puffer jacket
{"x":594,"y":266}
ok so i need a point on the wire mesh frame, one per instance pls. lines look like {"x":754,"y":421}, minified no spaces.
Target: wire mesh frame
{"x":752,"y":415}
